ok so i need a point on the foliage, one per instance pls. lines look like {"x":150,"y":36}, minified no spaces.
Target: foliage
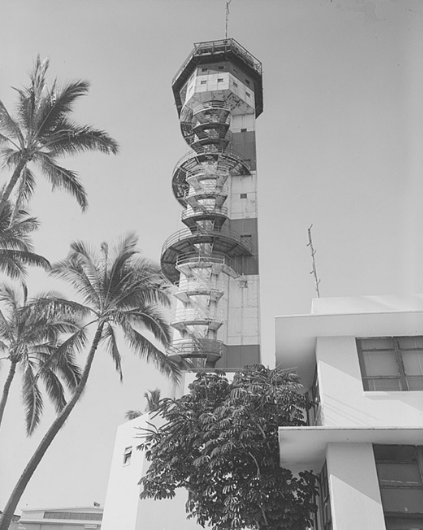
{"x":119,"y":290}
{"x":41,"y":132}
{"x":153,"y":403}
{"x":16,"y":250}
{"x":220,"y":442}
{"x":31,"y":340}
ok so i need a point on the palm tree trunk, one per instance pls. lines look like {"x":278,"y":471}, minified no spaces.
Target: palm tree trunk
{"x":6,"y":388}
{"x":55,"y":427}
{"x":12,"y":183}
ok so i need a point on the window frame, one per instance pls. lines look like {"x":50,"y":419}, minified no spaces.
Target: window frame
{"x":397,"y":350}
{"x":418,"y":455}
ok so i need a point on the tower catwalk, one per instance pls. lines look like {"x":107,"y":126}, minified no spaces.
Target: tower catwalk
{"x":213,"y":261}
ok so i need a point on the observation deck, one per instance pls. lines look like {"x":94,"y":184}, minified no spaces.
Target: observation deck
{"x":222,"y":239}
{"x":218,"y":51}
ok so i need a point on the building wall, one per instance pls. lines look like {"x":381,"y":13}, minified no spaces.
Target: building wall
{"x":343,"y":400}
{"x":122,"y":497}
{"x":353,"y":487}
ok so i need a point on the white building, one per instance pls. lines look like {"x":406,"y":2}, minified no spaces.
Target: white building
{"x":361,"y":360}
{"x":123,"y":508}
{"x":75,"y":518}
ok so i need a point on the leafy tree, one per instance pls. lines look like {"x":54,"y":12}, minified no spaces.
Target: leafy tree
{"x":16,"y":250}
{"x":121,"y":291}
{"x":31,"y":340}
{"x":153,"y":403}
{"x":42,"y":131}
{"x":220,"y":442}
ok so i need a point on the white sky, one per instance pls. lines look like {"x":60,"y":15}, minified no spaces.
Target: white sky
{"x":339,"y":145}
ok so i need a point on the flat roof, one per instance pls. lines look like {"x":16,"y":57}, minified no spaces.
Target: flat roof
{"x":305,"y":447}
{"x":295,"y":336}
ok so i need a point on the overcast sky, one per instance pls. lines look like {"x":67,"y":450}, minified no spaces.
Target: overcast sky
{"x":339,"y":146}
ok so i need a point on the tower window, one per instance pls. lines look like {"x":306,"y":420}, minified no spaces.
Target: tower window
{"x":246,"y":240}
{"x":127,"y":455}
{"x":391,"y":363}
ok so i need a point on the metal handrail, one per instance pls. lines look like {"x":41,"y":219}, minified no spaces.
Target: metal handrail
{"x":224,"y":45}
{"x":195,"y":257}
{"x":228,"y":153}
{"x":195,"y":313}
{"x":189,"y":346}
{"x":186,"y":233}
{"x":212,"y":210}
{"x":218,"y":190}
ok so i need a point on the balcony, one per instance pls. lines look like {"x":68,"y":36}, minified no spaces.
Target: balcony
{"x":198,"y":353}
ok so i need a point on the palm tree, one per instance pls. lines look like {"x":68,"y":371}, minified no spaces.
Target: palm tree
{"x":153,"y":403}
{"x":31,"y":339}
{"x":42,"y":131}
{"x":118,"y":292}
{"x":16,"y":250}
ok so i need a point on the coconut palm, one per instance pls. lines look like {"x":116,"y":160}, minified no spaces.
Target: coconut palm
{"x":16,"y":250}
{"x":120,"y":291}
{"x":153,"y":403}
{"x":42,"y":131}
{"x":30,"y":340}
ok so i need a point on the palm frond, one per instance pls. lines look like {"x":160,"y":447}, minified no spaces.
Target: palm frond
{"x":151,"y":318}
{"x":26,"y":187}
{"x":62,"y":178}
{"x":33,"y":401}
{"x":148,"y":351}
{"x":57,"y":104}
{"x":8,"y":126}
{"x":54,"y":389}
{"x":10,"y":156}
{"x":71,"y":271}
{"x":13,"y":262}
{"x":109,"y":339}
{"x":72,"y":139}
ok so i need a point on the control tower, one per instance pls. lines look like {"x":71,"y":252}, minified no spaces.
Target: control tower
{"x":213,"y":261}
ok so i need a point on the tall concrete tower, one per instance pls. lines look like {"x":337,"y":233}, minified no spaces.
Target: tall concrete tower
{"x":213,"y":261}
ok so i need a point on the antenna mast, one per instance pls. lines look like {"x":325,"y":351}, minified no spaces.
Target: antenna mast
{"x":314,"y":271}
{"x":227,"y":17}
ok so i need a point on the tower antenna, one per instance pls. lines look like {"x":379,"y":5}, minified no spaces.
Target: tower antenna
{"x":227,"y":17}
{"x":314,"y":271}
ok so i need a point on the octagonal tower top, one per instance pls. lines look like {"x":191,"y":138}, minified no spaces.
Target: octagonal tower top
{"x":220,"y":51}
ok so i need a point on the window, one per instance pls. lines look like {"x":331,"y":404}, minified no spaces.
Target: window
{"x":127,"y":455}
{"x":243,"y":195}
{"x":235,"y":85}
{"x":243,"y":130}
{"x":247,"y":81}
{"x":219,"y":79}
{"x":400,"y":474}
{"x":391,"y":363}
{"x":221,"y":67}
{"x":247,"y":94}
{"x":243,"y":284}
{"x":73,"y":515}
{"x":203,"y":82}
{"x":204,"y":69}
{"x":246,"y":240}
{"x":324,"y":508}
